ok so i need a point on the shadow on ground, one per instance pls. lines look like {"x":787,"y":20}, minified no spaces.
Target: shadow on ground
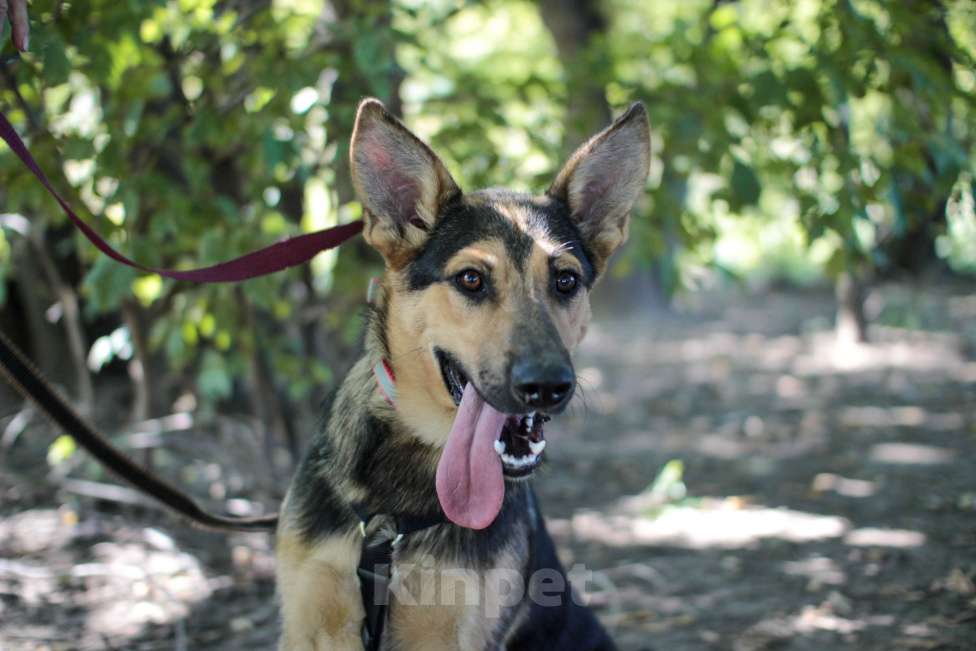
{"x":828,"y":497}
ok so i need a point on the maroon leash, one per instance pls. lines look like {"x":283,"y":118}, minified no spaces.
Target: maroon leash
{"x":280,"y":255}
{"x":15,"y":367}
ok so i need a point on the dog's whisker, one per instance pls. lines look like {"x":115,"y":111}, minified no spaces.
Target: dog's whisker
{"x":407,"y":353}
{"x":561,"y":248}
{"x":580,"y":403}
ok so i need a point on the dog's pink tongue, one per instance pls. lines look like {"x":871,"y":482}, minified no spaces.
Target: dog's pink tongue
{"x":470,"y":485}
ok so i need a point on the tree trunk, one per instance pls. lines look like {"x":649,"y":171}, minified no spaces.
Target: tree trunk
{"x":923,"y":194}
{"x":579,"y":30}
{"x":852,"y":323}
{"x":144,"y":399}
{"x":47,"y":346}
{"x":268,"y":405}
{"x":71,"y":320}
{"x":354,"y":83}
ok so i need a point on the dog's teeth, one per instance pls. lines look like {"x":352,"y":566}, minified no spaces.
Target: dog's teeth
{"x":500,"y":447}
{"x":520,"y":462}
{"x":537,"y":447}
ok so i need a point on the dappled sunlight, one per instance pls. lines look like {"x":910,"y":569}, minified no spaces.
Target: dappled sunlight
{"x":128,"y":585}
{"x":819,"y":570}
{"x":910,"y":454}
{"x":899,"y":416}
{"x":136,"y":584}
{"x":871,"y":537}
{"x":109,"y":592}
{"x":854,"y":464}
{"x":734,"y":471}
{"x":847,"y":487}
{"x":35,"y":530}
{"x":721,"y":523}
{"x":891,"y":349}
{"x":812,"y":619}
{"x":726,"y":367}
{"x":731,"y":523}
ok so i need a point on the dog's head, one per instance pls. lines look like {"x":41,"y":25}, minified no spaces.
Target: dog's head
{"x":490,"y":288}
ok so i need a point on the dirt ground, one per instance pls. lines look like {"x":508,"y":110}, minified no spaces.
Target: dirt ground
{"x":819,"y":496}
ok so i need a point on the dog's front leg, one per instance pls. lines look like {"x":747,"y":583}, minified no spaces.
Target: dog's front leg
{"x":450,"y":609}
{"x":321,"y":607}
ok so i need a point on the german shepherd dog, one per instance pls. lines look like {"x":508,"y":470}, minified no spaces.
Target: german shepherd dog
{"x":483,"y":298}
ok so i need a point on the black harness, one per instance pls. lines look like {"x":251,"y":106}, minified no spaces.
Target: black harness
{"x":376,"y":560}
{"x":376,"y":565}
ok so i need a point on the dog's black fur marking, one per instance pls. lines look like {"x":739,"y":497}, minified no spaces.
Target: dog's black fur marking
{"x":477,"y":548}
{"x":319,"y":509}
{"x":460,"y":225}
{"x":474,"y":218}
{"x":568,"y":625}
{"x":380,"y":460}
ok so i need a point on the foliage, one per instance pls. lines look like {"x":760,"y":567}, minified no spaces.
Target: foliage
{"x":843,"y":121}
{"x":196,"y":130}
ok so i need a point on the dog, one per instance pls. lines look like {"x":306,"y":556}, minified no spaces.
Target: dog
{"x":440,"y":423}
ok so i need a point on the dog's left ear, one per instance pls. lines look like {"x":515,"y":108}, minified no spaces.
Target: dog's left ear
{"x":602,"y":180}
{"x":401,"y":182}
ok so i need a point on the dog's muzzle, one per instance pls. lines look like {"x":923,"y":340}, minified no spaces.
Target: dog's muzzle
{"x":521,"y":442}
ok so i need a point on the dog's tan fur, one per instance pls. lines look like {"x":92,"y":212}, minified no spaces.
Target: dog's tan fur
{"x":321,"y":608}
{"x":404,"y":186}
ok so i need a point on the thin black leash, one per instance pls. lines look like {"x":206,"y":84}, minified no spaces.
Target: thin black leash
{"x":22,"y":375}
{"x":376,"y":553}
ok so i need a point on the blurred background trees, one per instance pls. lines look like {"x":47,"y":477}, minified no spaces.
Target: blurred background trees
{"x":807,"y":141}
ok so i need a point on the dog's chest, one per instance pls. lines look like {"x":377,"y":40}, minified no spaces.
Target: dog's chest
{"x":448,"y":594}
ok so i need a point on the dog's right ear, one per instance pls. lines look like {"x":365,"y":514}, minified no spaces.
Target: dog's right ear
{"x":603,"y":179}
{"x":400,"y":181}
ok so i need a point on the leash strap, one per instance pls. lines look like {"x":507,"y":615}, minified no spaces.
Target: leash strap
{"x":27,"y":380}
{"x":276,"y":257}
{"x":376,"y":568}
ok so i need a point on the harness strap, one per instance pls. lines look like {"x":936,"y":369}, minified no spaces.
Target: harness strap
{"x":375,"y":568}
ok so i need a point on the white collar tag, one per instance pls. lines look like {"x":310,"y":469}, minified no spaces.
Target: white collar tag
{"x":386,"y":381}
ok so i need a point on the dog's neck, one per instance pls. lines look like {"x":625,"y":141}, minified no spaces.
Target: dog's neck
{"x":375,"y":444}
{"x":421,"y":406}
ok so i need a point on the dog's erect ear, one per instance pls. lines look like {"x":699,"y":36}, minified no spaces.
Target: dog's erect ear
{"x":602,"y":180}
{"x":400,"y":181}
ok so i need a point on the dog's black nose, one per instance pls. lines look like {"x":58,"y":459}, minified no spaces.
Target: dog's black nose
{"x":543,"y":387}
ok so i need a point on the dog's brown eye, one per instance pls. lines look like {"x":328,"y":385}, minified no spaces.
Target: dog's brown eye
{"x":566,"y":282}
{"x":470,"y":281}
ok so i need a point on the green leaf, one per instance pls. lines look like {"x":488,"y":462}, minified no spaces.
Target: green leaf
{"x":106,"y":284}
{"x":214,"y":380}
{"x":61,"y":450}
{"x":745,"y":186}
